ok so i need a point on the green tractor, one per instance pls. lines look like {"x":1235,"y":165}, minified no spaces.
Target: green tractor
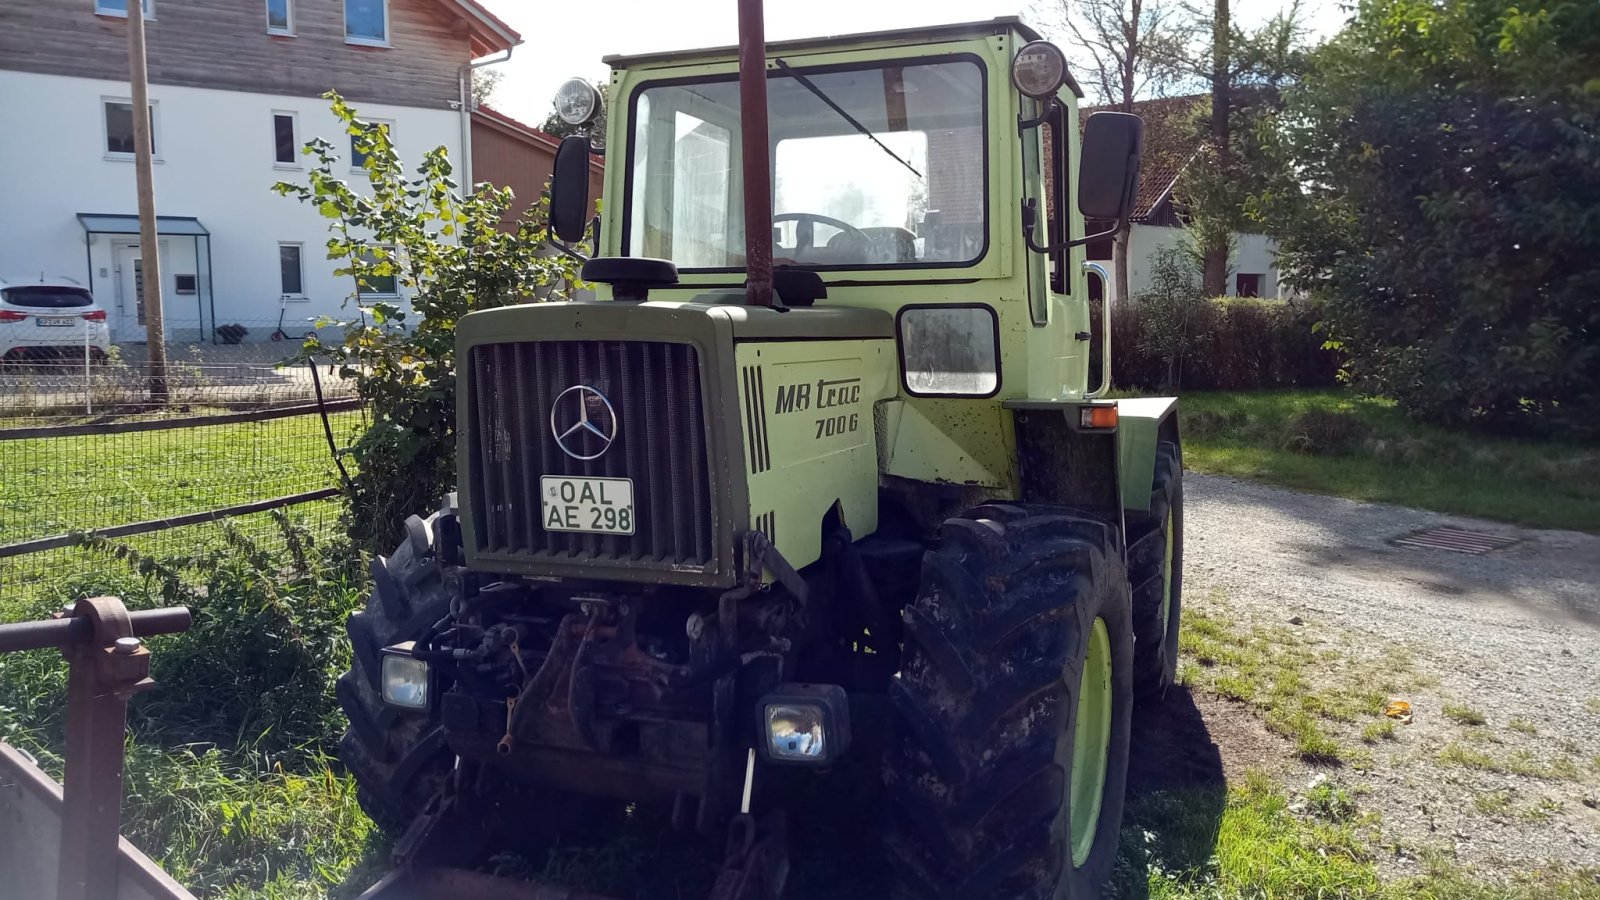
{"x":786,"y":493}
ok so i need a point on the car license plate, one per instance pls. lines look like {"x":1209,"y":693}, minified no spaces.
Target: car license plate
{"x":57,"y":321}
{"x":597,"y":505}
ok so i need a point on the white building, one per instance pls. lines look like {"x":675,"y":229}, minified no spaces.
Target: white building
{"x":1170,"y":145}
{"x":235,"y":92}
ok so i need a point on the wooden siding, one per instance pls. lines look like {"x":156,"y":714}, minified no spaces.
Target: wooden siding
{"x":223,"y":44}
{"x":507,"y":157}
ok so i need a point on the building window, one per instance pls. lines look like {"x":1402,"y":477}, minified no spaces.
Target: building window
{"x":280,"y":17}
{"x":373,"y":285}
{"x":358,"y":158}
{"x":283,"y":142}
{"x":1248,"y":285}
{"x":118,"y":8}
{"x":366,"y":22}
{"x":292,"y":275}
{"x":119,"y":128}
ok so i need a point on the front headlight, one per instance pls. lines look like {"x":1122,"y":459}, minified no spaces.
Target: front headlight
{"x":796,"y":732}
{"x":806,"y":724}
{"x":405,"y":678}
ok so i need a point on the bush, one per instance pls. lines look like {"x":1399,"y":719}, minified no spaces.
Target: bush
{"x":1230,"y":345}
{"x":1173,"y":337}
{"x":1319,"y":432}
{"x":452,"y":256}
{"x":229,"y":782}
{"x":256,"y":668}
{"x":1442,"y":199}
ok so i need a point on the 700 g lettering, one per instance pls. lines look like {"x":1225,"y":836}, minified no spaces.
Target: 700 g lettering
{"x":832,"y":425}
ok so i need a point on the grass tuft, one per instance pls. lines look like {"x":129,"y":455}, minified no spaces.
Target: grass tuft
{"x":1518,"y":723}
{"x":1301,"y":693}
{"x":1464,"y":715}
{"x":1249,"y":842}
{"x":1378,"y":730}
{"x":1517,"y":762}
{"x":1492,"y":803}
{"x":1468,"y":758}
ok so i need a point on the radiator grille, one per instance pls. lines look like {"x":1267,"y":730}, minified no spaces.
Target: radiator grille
{"x":654,"y":388}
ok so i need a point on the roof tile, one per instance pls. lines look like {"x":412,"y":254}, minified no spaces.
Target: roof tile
{"x":1170,"y":141}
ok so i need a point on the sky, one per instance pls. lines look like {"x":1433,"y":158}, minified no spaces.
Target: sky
{"x":562,"y":39}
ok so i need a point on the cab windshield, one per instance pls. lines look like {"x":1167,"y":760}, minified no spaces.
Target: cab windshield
{"x":872,"y":167}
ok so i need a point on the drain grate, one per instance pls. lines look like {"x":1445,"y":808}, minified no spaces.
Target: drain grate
{"x":1456,"y":540}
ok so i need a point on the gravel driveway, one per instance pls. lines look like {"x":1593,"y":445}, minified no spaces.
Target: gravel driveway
{"x":1513,"y":634}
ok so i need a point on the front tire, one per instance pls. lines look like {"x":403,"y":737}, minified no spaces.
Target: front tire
{"x":1155,"y":567}
{"x":1018,"y":653}
{"x":399,"y":758}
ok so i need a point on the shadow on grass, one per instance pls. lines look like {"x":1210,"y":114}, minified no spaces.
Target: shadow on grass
{"x":1176,"y":796}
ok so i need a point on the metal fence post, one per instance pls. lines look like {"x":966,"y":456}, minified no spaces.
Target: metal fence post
{"x":109,"y":664}
{"x":88,"y":376}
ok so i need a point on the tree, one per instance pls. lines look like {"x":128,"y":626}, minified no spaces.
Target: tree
{"x":553,"y":124}
{"x":484,"y":84}
{"x":1441,"y":193}
{"x":1245,"y":73}
{"x":451,"y":257}
{"x":1127,"y":47}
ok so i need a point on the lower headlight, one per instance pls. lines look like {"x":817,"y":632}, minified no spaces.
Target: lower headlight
{"x":808,"y":724}
{"x":405,"y":678}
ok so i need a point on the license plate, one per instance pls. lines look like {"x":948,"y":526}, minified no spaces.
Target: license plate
{"x":57,"y":321}
{"x":596,"y":505}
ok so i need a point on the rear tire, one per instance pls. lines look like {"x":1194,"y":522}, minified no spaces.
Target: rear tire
{"x":399,"y":758}
{"x":987,"y":704}
{"x":1155,"y":549}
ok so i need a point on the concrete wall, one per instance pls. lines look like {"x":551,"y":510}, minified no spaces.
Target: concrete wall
{"x":216,"y":163}
{"x":1253,"y":254}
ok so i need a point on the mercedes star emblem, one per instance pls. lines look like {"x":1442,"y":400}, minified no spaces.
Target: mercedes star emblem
{"x":582,"y":418}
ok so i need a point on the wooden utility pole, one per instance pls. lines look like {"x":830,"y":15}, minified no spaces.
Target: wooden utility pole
{"x":1214,"y":273}
{"x":149,"y":249}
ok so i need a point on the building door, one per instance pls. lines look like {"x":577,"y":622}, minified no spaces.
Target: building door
{"x":128,"y":319}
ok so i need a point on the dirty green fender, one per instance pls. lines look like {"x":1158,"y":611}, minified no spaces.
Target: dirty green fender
{"x":1141,"y":424}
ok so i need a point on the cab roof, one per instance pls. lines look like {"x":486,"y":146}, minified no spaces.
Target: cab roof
{"x":927,"y":33}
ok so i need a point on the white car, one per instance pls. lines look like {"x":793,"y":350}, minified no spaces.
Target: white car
{"x":51,"y":317}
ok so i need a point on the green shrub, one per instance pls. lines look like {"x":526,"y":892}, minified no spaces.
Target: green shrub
{"x":230,"y":782}
{"x":1441,"y":198}
{"x":452,"y":256}
{"x":1318,"y":432}
{"x":1227,"y":344}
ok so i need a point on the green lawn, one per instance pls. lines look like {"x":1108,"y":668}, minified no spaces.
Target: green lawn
{"x":52,"y":486}
{"x":1334,"y":442}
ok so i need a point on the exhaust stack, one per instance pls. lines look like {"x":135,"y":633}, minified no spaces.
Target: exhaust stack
{"x":757,"y":167}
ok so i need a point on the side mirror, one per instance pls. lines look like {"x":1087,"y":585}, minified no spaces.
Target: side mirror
{"x":1108,"y":165}
{"x":569,"y":189}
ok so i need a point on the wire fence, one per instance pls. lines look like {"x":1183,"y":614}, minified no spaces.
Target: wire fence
{"x":85,"y":457}
{"x":70,"y":385}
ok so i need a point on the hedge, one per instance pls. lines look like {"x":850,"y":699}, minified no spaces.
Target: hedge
{"x":1229,"y":344}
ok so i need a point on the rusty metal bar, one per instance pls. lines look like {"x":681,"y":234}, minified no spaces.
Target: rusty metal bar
{"x":757,"y":165}
{"x":66,"y":632}
{"x":199,"y":518}
{"x":108,"y":665}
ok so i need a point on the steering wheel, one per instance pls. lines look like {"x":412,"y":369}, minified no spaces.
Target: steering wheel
{"x":806,"y":229}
